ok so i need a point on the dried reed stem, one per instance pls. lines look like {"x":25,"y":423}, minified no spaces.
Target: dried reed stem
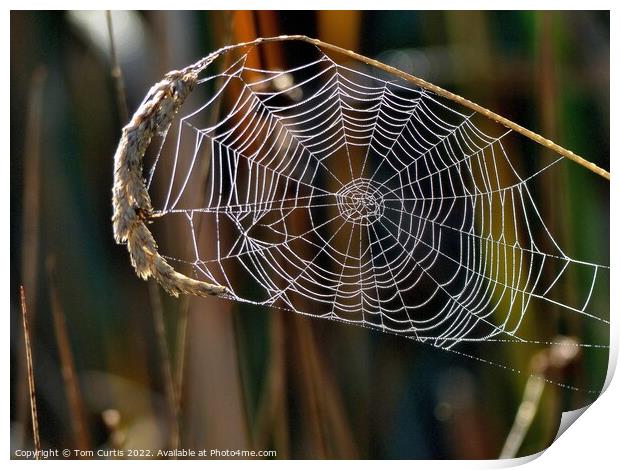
{"x":164,"y":352}
{"x":181,"y":351}
{"x":117,"y":72}
{"x":67,"y":364}
{"x":33,"y":399}
{"x":559,"y":355}
{"x":271,"y":412}
{"x":459,"y":100}
{"x":421,"y":83}
{"x":310,"y":382}
{"x":525,"y":416}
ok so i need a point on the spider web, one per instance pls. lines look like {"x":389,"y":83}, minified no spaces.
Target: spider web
{"x":334,"y":190}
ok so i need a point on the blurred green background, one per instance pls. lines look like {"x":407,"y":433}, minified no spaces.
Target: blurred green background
{"x":244,"y":377}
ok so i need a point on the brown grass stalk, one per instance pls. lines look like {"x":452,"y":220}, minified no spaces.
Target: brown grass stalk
{"x":117,"y":72}
{"x":463,"y":102}
{"x":31,"y":385}
{"x":166,"y":368}
{"x":79,"y":424}
{"x":418,"y":82}
{"x":272,"y":416}
{"x":181,"y":350}
{"x":311,"y":383}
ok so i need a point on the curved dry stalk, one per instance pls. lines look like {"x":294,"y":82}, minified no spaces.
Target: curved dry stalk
{"x":131,"y":201}
{"x":468,"y":104}
{"x":428,"y":86}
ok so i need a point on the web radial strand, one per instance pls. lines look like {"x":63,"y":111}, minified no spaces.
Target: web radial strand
{"x":337,"y":192}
